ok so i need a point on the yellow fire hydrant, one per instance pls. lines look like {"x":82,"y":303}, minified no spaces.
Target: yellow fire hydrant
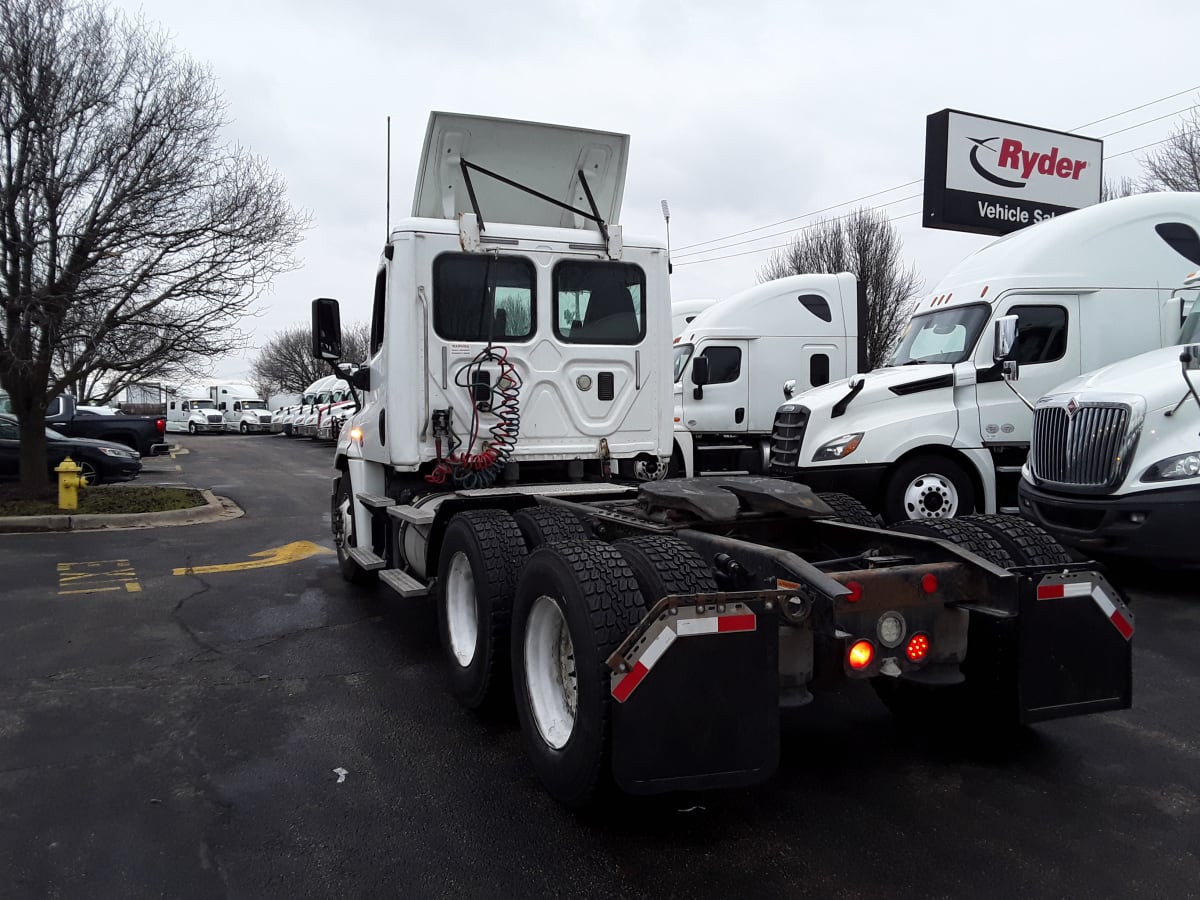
{"x":70,"y":480}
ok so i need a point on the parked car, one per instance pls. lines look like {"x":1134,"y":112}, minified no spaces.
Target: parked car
{"x":101,"y":461}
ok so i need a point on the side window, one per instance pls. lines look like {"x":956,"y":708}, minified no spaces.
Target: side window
{"x":1182,"y":239}
{"x":482,"y":297}
{"x":818,"y":369}
{"x":599,"y":303}
{"x":817,"y":305}
{"x":1041,"y":333}
{"x":377,"y":310}
{"x":55,"y":408}
{"x":8,"y":431}
{"x":237,"y":406}
{"x":182,"y":406}
{"x":724,"y":364}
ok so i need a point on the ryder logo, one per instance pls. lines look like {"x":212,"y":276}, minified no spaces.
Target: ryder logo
{"x":1012,"y":156}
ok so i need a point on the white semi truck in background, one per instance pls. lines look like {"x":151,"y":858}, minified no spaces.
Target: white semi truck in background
{"x":938,"y":433}
{"x":801,"y":332}
{"x":507,"y":461}
{"x":1114,"y":461}
{"x":192,"y":409}
{"x":243,"y":410}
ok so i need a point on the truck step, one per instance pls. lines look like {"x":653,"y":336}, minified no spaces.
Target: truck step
{"x":366,"y":560}
{"x":712,"y":448}
{"x":414,"y":515}
{"x":374,"y":500}
{"x":403,"y":583}
{"x":1009,"y":470}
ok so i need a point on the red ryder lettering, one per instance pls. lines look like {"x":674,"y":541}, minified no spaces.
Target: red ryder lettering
{"x":1014,"y":156}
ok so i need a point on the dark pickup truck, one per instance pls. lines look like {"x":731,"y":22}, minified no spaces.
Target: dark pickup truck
{"x":145,"y":434}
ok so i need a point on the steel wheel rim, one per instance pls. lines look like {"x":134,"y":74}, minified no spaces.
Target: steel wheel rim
{"x":551,"y":679}
{"x":931,"y":496}
{"x":462,"y":614}
{"x":87,"y":472}
{"x":343,"y":523}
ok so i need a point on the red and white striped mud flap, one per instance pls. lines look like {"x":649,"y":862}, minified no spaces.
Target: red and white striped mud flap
{"x":1089,"y":584}
{"x":686,"y":622}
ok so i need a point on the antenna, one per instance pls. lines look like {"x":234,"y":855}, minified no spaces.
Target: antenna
{"x":388,"y":189}
{"x":667,"y":218}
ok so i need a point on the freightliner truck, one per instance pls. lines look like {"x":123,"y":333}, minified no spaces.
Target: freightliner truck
{"x":506,"y":463}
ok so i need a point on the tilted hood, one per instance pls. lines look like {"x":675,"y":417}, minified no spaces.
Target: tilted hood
{"x":880,"y":385}
{"x":546,"y":158}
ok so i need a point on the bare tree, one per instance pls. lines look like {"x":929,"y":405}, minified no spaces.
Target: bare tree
{"x":864,"y":243}
{"x":1122,"y":187}
{"x":129,"y":232}
{"x":1175,"y":166}
{"x":286,"y":360}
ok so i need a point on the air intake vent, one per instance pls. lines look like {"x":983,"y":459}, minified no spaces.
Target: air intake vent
{"x":787,"y":438}
{"x":1085,"y":447}
{"x":604,"y":385}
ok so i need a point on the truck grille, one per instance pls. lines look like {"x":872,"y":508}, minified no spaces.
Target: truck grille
{"x":1080,"y":445}
{"x":215,"y":420}
{"x":787,"y":437}
{"x":264,"y":420}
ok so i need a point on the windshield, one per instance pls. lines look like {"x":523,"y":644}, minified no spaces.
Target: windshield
{"x":683,"y":352}
{"x":203,"y":403}
{"x":945,"y":336}
{"x":253,"y":404}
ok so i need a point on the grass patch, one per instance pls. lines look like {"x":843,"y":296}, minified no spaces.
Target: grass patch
{"x":106,"y":499}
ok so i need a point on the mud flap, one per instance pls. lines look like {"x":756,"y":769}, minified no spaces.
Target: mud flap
{"x":1075,"y":645}
{"x":696,"y":704}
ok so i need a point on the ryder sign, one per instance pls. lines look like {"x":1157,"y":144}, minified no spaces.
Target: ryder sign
{"x":990,"y":176}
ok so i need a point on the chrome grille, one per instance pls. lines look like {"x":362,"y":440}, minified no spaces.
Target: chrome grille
{"x":1080,"y":445}
{"x":215,"y":420}
{"x":787,"y":437}
{"x":264,"y":420}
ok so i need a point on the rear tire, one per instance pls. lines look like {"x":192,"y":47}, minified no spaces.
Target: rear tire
{"x":1028,"y":543}
{"x":480,"y":560}
{"x":664,"y":566}
{"x":548,"y":525}
{"x":575,"y":603}
{"x":849,"y":509}
{"x":967,"y":534}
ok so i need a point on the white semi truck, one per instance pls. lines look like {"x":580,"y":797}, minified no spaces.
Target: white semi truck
{"x":801,"y":332}
{"x":938,"y":433}
{"x":191,"y":409}
{"x":1114,"y":461}
{"x":241,"y":407}
{"x":506,"y":462}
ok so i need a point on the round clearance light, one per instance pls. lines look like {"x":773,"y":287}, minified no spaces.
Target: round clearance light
{"x":890,"y":629}
{"x":929,"y":583}
{"x":855,"y":590}
{"x":918,"y":647}
{"x":584,"y":382}
{"x":860,"y":655}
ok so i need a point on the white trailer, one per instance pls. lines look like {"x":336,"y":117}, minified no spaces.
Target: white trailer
{"x":508,"y":460}
{"x":938,"y":433}
{"x":797,"y":332}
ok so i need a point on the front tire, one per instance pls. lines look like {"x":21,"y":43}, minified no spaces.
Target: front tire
{"x":244,"y":428}
{"x":191,"y":427}
{"x":480,"y":560}
{"x":344,"y":537}
{"x":575,"y":603}
{"x":928,"y":487}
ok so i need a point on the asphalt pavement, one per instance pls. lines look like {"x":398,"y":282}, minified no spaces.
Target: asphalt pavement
{"x":209,"y":711}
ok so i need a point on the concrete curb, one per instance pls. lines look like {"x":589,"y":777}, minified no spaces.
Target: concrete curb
{"x":216,"y":509}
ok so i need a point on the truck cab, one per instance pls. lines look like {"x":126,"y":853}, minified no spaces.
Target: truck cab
{"x":189,"y":410}
{"x":938,"y":432}
{"x":798,"y":332}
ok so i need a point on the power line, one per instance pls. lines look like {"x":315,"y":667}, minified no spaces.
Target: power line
{"x":718,"y":240}
{"x":692,"y":262}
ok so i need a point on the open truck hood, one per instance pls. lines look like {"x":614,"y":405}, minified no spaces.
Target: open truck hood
{"x":546,"y":158}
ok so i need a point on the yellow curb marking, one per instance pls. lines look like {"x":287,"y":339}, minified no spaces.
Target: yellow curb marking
{"x":276,"y":556}
{"x":97,"y":577}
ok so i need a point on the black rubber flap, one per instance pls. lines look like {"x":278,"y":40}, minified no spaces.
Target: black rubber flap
{"x":705,"y":716}
{"x":1073,"y":657}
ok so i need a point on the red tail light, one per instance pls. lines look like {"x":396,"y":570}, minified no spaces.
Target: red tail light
{"x":161,"y":425}
{"x":918,"y":647}
{"x":856,"y":591}
{"x":929,"y":583}
{"x":860,"y":655}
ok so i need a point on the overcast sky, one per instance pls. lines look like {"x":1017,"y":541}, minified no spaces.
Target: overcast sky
{"x":741,"y":114}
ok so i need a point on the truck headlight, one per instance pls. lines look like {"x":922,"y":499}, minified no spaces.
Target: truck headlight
{"x":1186,"y":465}
{"x":839,"y":447}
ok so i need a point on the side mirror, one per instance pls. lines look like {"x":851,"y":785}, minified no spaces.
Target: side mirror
{"x":699,"y":376}
{"x":1190,"y":357}
{"x":789,"y":389}
{"x":326,"y":329}
{"x":1005,"y":338}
